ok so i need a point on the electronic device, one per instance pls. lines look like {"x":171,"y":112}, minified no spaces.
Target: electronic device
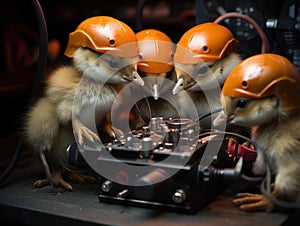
{"x":169,"y":165}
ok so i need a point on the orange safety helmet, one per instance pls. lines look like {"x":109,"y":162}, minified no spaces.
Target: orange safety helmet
{"x":156,"y":51}
{"x":103,"y":34}
{"x":205,"y":42}
{"x":265,"y":75}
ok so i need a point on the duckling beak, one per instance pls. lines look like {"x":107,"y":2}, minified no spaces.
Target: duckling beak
{"x":183,"y":84}
{"x":134,"y":77}
{"x":155,"y":91}
{"x":223,"y":118}
{"x":178,"y":86}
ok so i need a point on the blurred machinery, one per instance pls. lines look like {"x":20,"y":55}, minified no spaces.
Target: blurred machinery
{"x":280,"y":20}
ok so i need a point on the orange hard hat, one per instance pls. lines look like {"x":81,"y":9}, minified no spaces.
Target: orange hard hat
{"x":265,"y":75}
{"x":103,"y":34}
{"x":205,"y":42}
{"x":156,"y":51}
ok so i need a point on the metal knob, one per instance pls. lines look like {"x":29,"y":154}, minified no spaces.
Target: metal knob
{"x":106,"y":186}
{"x":179,"y":196}
{"x":147,"y":147}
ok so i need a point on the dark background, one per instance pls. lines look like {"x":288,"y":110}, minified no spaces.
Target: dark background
{"x":19,"y":38}
{"x":19,"y":41}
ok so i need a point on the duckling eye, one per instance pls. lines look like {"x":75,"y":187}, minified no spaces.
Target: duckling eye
{"x":241,"y":103}
{"x":203,"y":70}
{"x":112,"y":63}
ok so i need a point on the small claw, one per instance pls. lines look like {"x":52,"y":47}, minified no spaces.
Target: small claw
{"x":253,"y":202}
{"x":41,"y":183}
{"x":58,"y":177}
{"x":58,"y":182}
{"x":82,"y":132}
{"x":66,"y":186}
{"x":246,"y":198}
{"x":262,"y":205}
{"x":80,"y":178}
{"x":245,"y":194}
{"x":90,"y":135}
{"x":113,"y":131}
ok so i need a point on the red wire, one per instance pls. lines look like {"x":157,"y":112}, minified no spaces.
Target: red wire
{"x":265,"y":42}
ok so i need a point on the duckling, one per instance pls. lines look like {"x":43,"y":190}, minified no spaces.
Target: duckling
{"x":262,"y":93}
{"x":78,"y":97}
{"x":203,"y":59}
{"x":155,"y":65}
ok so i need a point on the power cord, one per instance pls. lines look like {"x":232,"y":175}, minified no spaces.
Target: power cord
{"x":266,"y":181}
{"x":139,"y":14}
{"x":209,"y":113}
{"x":266,"y":190}
{"x":265,"y":43}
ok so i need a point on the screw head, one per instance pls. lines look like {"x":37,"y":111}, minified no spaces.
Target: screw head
{"x":179,"y":196}
{"x":106,"y":186}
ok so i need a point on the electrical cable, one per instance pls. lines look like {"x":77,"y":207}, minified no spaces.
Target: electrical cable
{"x":43,"y":51}
{"x":209,"y":113}
{"x":41,"y":64}
{"x":266,"y":190}
{"x":146,"y":120}
{"x":139,"y":15}
{"x":256,"y":147}
{"x":218,"y":132}
{"x":265,"y":42}
{"x":266,"y":181}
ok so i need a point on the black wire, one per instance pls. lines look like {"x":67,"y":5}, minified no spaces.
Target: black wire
{"x":43,"y":53}
{"x":9,"y":168}
{"x":209,"y":113}
{"x":266,"y":190}
{"x":139,"y":15}
{"x":218,"y":132}
{"x":266,"y":182}
{"x":146,"y":120}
